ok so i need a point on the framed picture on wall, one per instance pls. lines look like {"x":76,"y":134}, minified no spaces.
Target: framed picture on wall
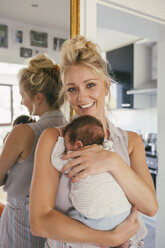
{"x":18,"y":36}
{"x":3,"y":35}
{"x":57,"y":43}
{"x":26,"y":52}
{"x":38,"y":39}
{"x":36,"y":51}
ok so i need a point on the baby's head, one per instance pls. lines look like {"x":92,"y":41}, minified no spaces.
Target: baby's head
{"x":83,"y":131}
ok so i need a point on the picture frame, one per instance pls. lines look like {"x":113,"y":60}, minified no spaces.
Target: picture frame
{"x":38,"y":39}
{"x":3,"y":36}
{"x":57,"y":43}
{"x":18,"y":36}
{"x":26,"y":52}
{"x":36,"y":51}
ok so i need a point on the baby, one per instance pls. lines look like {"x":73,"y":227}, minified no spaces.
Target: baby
{"x":99,"y":201}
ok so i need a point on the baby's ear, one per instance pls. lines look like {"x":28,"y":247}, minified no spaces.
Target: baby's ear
{"x":79,"y":144}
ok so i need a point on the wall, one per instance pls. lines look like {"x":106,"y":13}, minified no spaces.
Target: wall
{"x":160,"y":237}
{"x":151,"y":9}
{"x":12,"y":53}
{"x":140,"y":121}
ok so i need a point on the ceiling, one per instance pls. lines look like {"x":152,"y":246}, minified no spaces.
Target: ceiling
{"x":55,"y":14}
{"x":47,"y":13}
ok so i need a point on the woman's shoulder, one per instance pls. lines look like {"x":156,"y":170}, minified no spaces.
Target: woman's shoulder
{"x":133,"y":136}
{"x":50,"y":135}
{"x":134,"y":140}
{"x":22,"y":131}
{"x":48,"y":139}
{"x":21,"y":139}
{"x":50,"y":132}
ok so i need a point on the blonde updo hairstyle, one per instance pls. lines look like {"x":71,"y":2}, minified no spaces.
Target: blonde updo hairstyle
{"x":43,"y":76}
{"x":80,"y":51}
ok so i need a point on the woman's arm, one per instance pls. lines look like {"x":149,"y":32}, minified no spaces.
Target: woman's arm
{"x":18,"y":143}
{"x":48,"y":222}
{"x":135,"y":181}
{"x":144,"y":190}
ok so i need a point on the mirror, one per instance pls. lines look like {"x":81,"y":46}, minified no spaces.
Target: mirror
{"x":36,"y":26}
{"x":26,"y":28}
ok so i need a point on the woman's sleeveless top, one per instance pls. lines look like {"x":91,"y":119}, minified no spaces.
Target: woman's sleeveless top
{"x":119,"y":138}
{"x":19,"y":176}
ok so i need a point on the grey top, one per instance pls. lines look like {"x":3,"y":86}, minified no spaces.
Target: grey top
{"x":19,"y":176}
{"x":119,"y":138}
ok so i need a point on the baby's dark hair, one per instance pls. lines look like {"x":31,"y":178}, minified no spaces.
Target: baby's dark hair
{"x":22,"y":119}
{"x":86,"y":129}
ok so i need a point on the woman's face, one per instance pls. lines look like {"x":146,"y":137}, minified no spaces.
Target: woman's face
{"x":26,"y":100}
{"x":85,"y":91}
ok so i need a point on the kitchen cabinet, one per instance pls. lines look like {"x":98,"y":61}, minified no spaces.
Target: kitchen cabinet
{"x":121,"y":64}
{"x":134,"y":68}
{"x":145,"y":83}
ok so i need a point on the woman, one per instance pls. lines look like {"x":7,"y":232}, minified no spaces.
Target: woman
{"x":39,"y":88}
{"x":86,"y":83}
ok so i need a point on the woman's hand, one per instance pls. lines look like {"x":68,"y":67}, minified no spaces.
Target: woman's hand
{"x":126,"y":229}
{"x":88,"y":161}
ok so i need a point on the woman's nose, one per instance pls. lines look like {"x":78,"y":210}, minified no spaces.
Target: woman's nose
{"x":81,"y":95}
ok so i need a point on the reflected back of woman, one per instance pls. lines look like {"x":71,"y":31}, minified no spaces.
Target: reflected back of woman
{"x":39,"y":85}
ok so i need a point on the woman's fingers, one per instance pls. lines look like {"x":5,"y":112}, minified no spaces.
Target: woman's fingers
{"x":72,"y":165}
{"x":71,"y":155}
{"x":86,"y":161}
{"x":79,"y":176}
{"x":76,"y":171}
{"x":81,"y":152}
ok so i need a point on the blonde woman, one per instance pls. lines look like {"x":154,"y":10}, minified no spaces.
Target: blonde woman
{"x":39,"y":86}
{"x":85,"y":84}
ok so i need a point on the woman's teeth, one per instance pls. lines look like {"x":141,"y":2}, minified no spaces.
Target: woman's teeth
{"x":86,"y":105}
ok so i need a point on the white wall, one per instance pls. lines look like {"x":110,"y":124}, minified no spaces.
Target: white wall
{"x":160,"y":237}
{"x":12,"y":53}
{"x":140,"y":121}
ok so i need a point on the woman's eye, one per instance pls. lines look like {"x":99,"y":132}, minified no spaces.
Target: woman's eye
{"x":90,"y":85}
{"x":71,"y":89}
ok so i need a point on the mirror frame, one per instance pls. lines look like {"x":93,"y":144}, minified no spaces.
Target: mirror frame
{"x":74,"y":18}
{"x":74,"y":29}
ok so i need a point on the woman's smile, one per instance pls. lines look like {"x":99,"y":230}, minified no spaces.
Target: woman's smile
{"x":87,"y":106}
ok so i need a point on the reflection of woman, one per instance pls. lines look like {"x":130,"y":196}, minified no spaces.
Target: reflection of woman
{"x":86,"y":83}
{"x":39,"y":89}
